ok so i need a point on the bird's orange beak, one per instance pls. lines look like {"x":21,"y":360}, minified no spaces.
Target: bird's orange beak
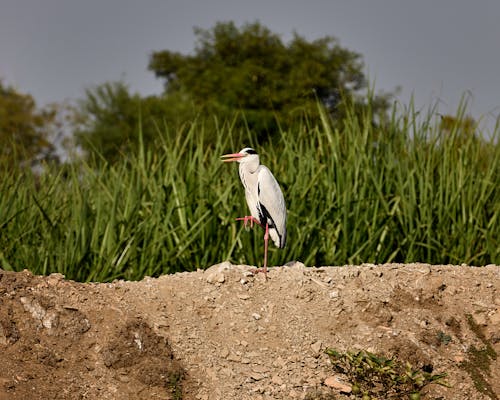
{"x":232,"y":157}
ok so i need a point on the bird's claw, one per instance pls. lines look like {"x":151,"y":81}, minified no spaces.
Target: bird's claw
{"x":246,"y":219}
{"x":255,"y":271}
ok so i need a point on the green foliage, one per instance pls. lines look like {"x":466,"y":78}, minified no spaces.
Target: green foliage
{"x":252,"y":70}
{"x":25,"y":131}
{"x":106,"y":122}
{"x":404,"y":192}
{"x":246,"y":77}
{"x":377,"y":377}
{"x":443,"y":338}
{"x":478,"y":363}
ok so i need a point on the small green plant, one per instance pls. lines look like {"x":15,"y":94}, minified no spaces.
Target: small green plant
{"x":478,"y":362}
{"x":443,"y":338}
{"x":175,"y":385}
{"x":377,"y":377}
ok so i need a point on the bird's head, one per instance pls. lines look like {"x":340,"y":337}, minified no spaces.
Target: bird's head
{"x":246,"y":155}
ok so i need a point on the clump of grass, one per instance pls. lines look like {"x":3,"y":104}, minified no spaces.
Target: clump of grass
{"x":443,"y":338}
{"x":174,"y":385}
{"x":374,"y":377}
{"x":404,"y":191}
{"x":478,"y":363}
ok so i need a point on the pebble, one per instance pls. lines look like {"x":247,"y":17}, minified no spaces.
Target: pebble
{"x":276,"y":380}
{"x":256,"y":376}
{"x":279,"y":362}
{"x":233,"y":357}
{"x":335,"y":383}
{"x":256,"y":316}
{"x":260,"y":369}
{"x":216,"y":277}
{"x":316,"y":346}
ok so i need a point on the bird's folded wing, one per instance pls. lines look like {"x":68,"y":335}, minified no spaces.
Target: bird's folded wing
{"x":271,"y":197}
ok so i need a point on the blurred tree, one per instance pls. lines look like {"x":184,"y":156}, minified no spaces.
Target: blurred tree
{"x":109,"y":120}
{"x":462,"y":126}
{"x":246,"y":79}
{"x":468,"y":140}
{"x":253,"y":71}
{"x":25,"y":131}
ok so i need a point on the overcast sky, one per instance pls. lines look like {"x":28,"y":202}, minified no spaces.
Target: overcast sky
{"x":434,"y":49}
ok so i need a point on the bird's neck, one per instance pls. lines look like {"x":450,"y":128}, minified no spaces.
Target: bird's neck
{"x":249,"y":167}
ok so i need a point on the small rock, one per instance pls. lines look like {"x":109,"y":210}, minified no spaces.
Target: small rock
{"x":310,"y":362}
{"x":335,"y":383}
{"x":261,"y":369}
{"x":216,"y":277}
{"x":54,"y":279}
{"x":243,"y":296}
{"x":276,"y":380}
{"x":480,"y":319}
{"x":256,"y":316}
{"x":124,"y":378}
{"x":316,"y":346}
{"x":279,"y":363}
{"x":334,"y":294}
{"x":495,"y":318}
{"x":224,"y":266}
{"x":459,"y":359}
{"x":233,"y":357}
{"x":256,"y":376}
{"x":295,"y":264}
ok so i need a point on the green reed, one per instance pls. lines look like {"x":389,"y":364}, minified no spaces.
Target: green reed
{"x":405,"y":191}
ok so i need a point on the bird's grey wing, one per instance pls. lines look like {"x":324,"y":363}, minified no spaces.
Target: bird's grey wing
{"x":272,"y":201}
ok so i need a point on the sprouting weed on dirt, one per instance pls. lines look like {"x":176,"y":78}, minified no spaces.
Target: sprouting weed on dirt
{"x":443,"y":338}
{"x":377,"y":377}
{"x":175,"y":385}
{"x":478,"y":362}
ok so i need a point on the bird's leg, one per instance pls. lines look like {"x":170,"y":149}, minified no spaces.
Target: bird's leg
{"x":250,"y":218}
{"x":266,"y":243}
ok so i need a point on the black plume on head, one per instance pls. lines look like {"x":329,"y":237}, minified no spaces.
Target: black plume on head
{"x":248,"y":150}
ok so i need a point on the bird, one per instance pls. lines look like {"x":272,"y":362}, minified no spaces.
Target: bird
{"x":264,"y":198}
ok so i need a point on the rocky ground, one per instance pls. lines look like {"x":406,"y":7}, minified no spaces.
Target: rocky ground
{"x":224,"y":333}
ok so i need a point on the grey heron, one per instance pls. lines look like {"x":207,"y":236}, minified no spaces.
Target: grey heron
{"x":264,"y":198}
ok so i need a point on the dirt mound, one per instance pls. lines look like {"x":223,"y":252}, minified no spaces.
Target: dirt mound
{"x":224,"y":333}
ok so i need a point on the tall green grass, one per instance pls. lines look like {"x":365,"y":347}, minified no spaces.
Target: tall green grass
{"x":405,"y":192}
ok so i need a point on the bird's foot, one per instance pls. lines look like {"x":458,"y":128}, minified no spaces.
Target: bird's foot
{"x":248,"y":218}
{"x":255,"y":271}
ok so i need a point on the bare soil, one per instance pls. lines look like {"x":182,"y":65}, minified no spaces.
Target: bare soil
{"x":224,"y":333}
